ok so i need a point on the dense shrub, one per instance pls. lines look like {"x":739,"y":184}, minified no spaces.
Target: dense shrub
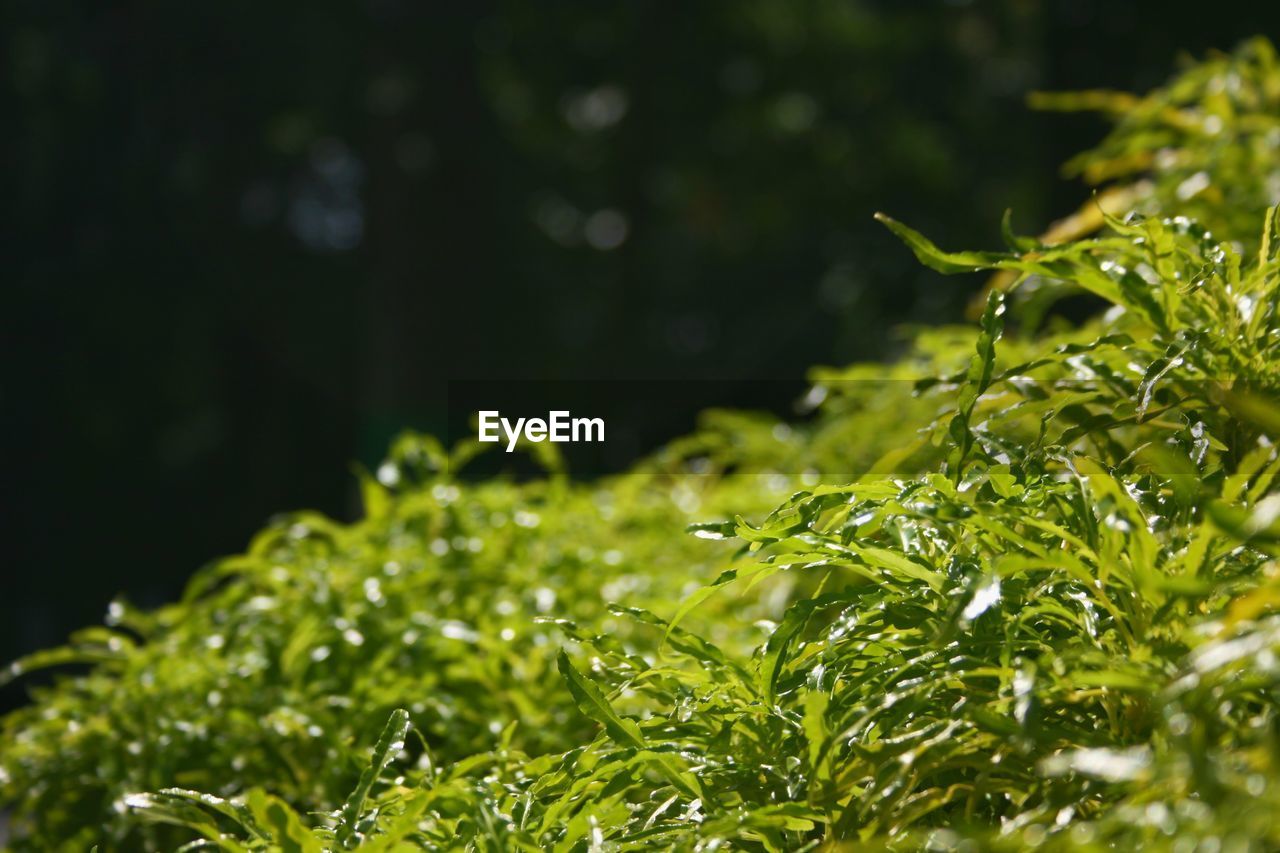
{"x":1204,"y":146}
{"x":1015,"y":589}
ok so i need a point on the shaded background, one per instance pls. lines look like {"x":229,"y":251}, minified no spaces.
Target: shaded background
{"x":245,"y":243}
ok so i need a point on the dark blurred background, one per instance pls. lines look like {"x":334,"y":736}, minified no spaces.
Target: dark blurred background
{"x":245,"y":243}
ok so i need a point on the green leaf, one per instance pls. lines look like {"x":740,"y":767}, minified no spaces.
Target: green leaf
{"x":934,"y":258}
{"x":390,"y":742}
{"x":623,"y":731}
{"x":282,"y":824}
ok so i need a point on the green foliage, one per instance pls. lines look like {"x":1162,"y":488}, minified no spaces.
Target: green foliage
{"x":1017,"y":589}
{"x":1203,"y":146}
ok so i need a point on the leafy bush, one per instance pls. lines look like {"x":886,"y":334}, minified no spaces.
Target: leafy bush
{"x":1204,"y":146}
{"x":1013,"y":590}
